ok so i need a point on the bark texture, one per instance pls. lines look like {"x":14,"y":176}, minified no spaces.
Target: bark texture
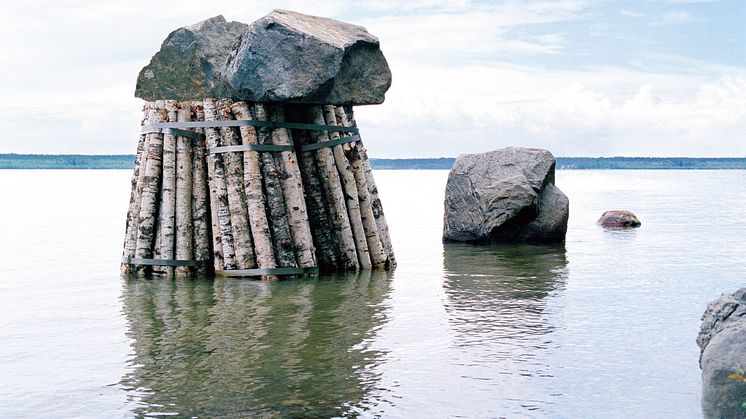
{"x":167,"y":217}
{"x":184,"y":182}
{"x":204,"y":204}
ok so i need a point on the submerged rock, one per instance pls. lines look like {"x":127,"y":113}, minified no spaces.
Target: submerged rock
{"x":505,"y":195}
{"x":188,"y":64}
{"x":291,"y":57}
{"x":722,"y":341}
{"x":619,"y":218}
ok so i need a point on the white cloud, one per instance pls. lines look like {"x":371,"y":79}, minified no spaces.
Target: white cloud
{"x":675,"y":18}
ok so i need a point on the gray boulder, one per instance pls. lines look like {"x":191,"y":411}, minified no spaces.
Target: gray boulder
{"x":188,"y":64}
{"x":619,"y":219}
{"x":722,"y":341}
{"x":292,"y":57}
{"x":504,"y":196}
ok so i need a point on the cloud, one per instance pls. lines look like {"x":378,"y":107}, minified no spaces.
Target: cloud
{"x":675,"y":18}
{"x":630,"y":13}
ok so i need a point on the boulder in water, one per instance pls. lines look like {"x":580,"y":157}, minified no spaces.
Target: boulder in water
{"x":504,"y":196}
{"x":722,"y":341}
{"x":619,"y":219}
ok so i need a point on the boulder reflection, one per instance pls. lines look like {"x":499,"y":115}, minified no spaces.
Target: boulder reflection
{"x":496,"y":295}
{"x":246,"y":348}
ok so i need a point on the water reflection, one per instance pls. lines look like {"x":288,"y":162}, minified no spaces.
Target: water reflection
{"x":496,"y":300}
{"x":246,"y":348}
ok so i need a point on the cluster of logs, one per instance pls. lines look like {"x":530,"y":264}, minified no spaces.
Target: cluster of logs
{"x":198,"y":205}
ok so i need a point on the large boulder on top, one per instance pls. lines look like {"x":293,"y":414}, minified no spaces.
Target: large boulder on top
{"x":188,"y":64}
{"x":722,"y":341}
{"x":292,"y":57}
{"x":503,"y":196}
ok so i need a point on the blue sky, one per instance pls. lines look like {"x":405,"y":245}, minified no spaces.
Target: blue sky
{"x":577,"y":77}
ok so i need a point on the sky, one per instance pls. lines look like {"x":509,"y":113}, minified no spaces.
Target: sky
{"x":576,"y":77}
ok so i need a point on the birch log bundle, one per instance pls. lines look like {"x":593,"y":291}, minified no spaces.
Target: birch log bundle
{"x":197,"y":208}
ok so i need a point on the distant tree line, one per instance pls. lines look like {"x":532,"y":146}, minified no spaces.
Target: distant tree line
{"x":126,"y":161}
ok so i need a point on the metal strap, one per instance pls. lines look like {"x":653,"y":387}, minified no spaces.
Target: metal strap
{"x":163,"y":262}
{"x":245,"y":123}
{"x":343,"y":140}
{"x":249,"y":147}
{"x":266,"y":271}
{"x":175,"y":131}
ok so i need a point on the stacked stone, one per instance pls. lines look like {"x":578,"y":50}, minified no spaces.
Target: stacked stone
{"x":232,"y":171}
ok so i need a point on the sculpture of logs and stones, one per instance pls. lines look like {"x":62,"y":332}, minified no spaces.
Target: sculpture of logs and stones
{"x":264,"y":195}
{"x":505,"y":196}
{"x":722,"y":341}
{"x":619,"y":219}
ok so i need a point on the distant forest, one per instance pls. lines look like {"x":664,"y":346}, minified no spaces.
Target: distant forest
{"x":126,"y":161}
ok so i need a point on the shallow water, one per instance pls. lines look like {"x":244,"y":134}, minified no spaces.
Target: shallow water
{"x":601,"y":327}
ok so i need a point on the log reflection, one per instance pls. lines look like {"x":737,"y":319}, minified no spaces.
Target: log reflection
{"x":245,"y":348}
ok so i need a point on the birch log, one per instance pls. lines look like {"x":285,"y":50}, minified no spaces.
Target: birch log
{"x":350,"y":192}
{"x":255,"y":201}
{"x":282,"y":239}
{"x":133,"y":213}
{"x":150,"y":189}
{"x":167,"y":217}
{"x":378,"y":254}
{"x":292,"y":187}
{"x":234,"y":172}
{"x":318,"y":214}
{"x":184,"y":171}
{"x":204,"y":205}
{"x":383,"y":228}
{"x":340,"y":220}
{"x":218,"y":188}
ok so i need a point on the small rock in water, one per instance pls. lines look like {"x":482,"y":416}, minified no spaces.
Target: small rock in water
{"x":291,"y":57}
{"x":722,"y":341}
{"x":505,"y":196}
{"x":619,"y":218}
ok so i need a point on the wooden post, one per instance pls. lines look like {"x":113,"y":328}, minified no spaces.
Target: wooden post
{"x":378,"y":255}
{"x":350,"y":191}
{"x":318,"y":214}
{"x":184,"y":219}
{"x":218,"y":188}
{"x":383,"y":228}
{"x":204,"y":230}
{"x":283,"y":241}
{"x":167,"y":217}
{"x":150,"y":190}
{"x":255,"y":201}
{"x":292,"y":187}
{"x":340,"y":220}
{"x":130,"y":237}
{"x":234,"y":173}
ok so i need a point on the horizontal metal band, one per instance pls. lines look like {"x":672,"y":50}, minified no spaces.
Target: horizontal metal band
{"x":176,"y":131}
{"x":163,"y":262}
{"x":266,"y":271}
{"x":249,"y":147}
{"x":245,"y":123}
{"x":343,"y":140}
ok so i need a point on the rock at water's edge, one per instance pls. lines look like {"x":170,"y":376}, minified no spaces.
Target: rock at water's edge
{"x":619,"y":219}
{"x":188,"y":64}
{"x":292,"y":57}
{"x":503,"y":196}
{"x":722,"y":341}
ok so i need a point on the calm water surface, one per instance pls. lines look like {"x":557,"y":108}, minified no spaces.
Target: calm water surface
{"x":601,"y":327}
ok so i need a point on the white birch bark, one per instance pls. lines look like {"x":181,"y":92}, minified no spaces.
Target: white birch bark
{"x":378,"y":254}
{"x":204,"y":204}
{"x":350,"y":192}
{"x":218,"y":188}
{"x":130,"y":236}
{"x":150,"y":192}
{"x":340,"y":220}
{"x":292,"y":187}
{"x":383,"y":228}
{"x":255,"y":200}
{"x":184,"y":220}
{"x":167,"y":217}
{"x":234,"y":173}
